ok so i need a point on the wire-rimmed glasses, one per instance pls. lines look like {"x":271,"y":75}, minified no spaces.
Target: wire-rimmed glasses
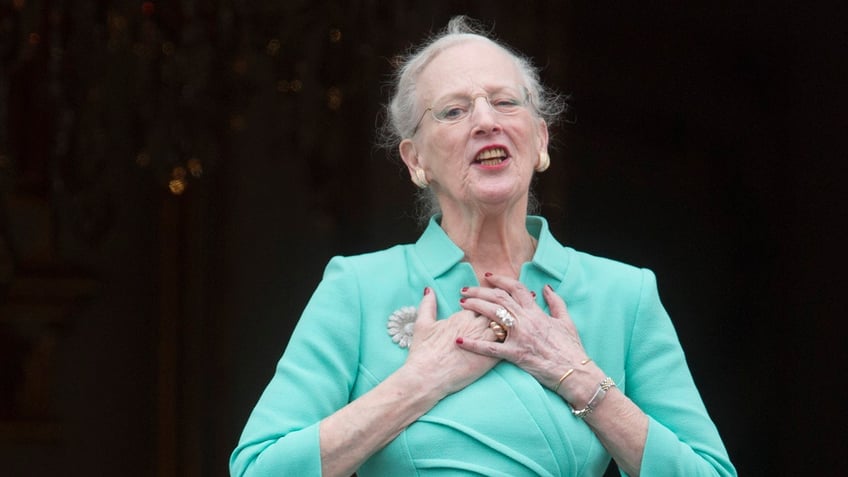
{"x":455,"y":108}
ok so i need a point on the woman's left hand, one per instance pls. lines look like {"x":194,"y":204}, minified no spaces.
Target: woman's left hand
{"x":546,"y":346}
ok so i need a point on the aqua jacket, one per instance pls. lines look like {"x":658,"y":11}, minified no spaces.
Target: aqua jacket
{"x":340,"y":349}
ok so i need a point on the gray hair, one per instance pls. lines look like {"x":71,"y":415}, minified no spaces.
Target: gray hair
{"x":402,"y":112}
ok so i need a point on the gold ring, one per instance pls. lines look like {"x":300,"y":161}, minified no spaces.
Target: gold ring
{"x":498,"y":330}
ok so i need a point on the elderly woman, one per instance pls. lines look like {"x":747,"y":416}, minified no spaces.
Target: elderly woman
{"x":489,"y":373}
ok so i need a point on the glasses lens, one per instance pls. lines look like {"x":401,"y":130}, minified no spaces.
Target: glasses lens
{"x":452,"y":112}
{"x":506,"y":103}
{"x":455,"y":109}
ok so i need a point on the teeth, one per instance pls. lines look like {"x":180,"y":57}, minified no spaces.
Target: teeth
{"x":498,"y":153}
{"x":491,"y":162}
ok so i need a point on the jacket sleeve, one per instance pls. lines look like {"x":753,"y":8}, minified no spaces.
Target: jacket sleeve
{"x":312,"y":380}
{"x":682,"y":439}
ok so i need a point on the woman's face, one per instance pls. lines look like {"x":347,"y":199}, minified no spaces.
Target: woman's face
{"x":486,"y":159}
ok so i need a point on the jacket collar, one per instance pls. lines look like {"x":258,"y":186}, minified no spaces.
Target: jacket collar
{"x":439,"y":254}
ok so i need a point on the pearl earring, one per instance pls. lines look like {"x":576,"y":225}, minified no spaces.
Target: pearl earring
{"x":544,"y":162}
{"x":420,"y":178}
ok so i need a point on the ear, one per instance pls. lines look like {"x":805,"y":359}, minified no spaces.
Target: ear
{"x":542,"y":136}
{"x":410,"y":157}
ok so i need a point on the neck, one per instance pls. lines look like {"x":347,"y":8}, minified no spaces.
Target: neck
{"x":496,"y":243}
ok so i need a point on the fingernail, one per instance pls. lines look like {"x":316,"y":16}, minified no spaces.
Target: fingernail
{"x":426,"y":290}
{"x":459,"y":340}
{"x":462,"y":300}
{"x":464,"y":289}
{"x":533,"y":293}
{"x":487,"y":274}
{"x":548,"y":287}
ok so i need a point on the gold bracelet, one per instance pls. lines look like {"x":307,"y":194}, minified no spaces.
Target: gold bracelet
{"x":567,"y":374}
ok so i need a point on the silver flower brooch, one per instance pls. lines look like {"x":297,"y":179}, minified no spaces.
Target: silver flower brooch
{"x":401,"y":324}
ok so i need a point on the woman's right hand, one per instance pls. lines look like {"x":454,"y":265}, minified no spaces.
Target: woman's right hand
{"x":434,"y":368}
{"x":433,"y":354}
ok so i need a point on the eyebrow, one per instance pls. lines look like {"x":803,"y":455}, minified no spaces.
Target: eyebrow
{"x":466,"y":95}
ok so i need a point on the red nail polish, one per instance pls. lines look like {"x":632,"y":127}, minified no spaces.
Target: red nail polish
{"x":487,"y":274}
{"x":426,"y":290}
{"x":533,"y":293}
{"x":464,"y":289}
{"x":459,"y":340}
{"x":462,"y":300}
{"x":548,"y":287}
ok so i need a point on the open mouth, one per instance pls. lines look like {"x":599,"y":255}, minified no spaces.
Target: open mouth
{"x":491,"y":157}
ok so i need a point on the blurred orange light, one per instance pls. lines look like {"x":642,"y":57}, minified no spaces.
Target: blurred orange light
{"x":177,"y":186}
{"x":195,"y":167}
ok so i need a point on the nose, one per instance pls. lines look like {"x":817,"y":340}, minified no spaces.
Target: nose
{"x":483,"y":116}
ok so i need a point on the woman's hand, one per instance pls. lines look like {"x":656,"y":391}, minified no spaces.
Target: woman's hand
{"x":433,"y":354}
{"x":544,"y":346}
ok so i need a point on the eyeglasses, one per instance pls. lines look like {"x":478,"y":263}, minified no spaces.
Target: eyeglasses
{"x":454,"y":109}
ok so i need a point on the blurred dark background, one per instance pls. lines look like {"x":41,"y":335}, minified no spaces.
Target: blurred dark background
{"x":175,"y":175}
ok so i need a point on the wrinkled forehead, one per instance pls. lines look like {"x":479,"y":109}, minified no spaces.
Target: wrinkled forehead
{"x":468,"y":68}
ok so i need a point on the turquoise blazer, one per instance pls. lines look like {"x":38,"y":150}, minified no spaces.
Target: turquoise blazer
{"x":340,"y":349}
